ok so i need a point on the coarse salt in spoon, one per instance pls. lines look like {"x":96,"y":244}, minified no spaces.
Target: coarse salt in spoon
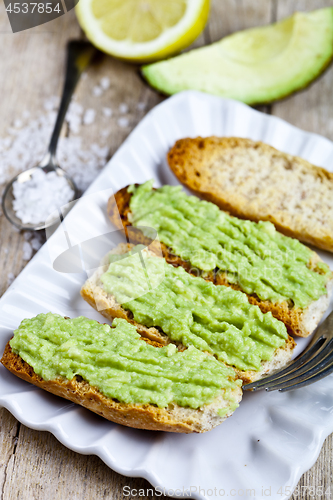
{"x":32,"y":196}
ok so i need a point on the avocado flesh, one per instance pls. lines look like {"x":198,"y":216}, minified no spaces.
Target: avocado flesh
{"x":254,"y":66}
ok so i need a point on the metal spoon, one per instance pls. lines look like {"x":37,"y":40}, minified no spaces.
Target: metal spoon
{"x":79,"y":55}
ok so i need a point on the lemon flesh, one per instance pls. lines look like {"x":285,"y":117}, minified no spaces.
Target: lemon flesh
{"x":254,"y":66}
{"x":142,"y":30}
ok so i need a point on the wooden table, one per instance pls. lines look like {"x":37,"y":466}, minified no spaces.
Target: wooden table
{"x":34,"y":465}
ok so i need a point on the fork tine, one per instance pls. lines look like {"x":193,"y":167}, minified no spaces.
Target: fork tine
{"x":317,"y":376}
{"x":317,"y":365}
{"x":314,"y":363}
{"x":305,"y":356}
{"x":322,"y":360}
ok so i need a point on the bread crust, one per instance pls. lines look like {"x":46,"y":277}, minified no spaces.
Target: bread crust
{"x":106,"y":304}
{"x":198,"y":164}
{"x":149,"y":417}
{"x":299,"y":322}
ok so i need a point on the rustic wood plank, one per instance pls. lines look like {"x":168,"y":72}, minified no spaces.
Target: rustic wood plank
{"x":32,"y":65}
{"x":42,"y":468}
{"x":317,"y":483}
{"x":126,"y":88}
{"x":9,"y":428}
{"x":234,"y":15}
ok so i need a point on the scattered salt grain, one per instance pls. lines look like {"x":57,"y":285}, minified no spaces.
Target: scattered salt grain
{"x":12,"y":131}
{"x":75,"y":108}
{"x":51,"y":103}
{"x":141,"y":106}
{"x":18,"y":123}
{"x":97,"y":91}
{"x":10,"y":278}
{"x":40,"y":196}
{"x":36,"y":243}
{"x":105,"y":83}
{"x":27,"y":146}
{"x":107,"y":112}
{"x":7,"y":142}
{"x":27,"y":250}
{"x":100,"y":152}
{"x":89,"y":117}
{"x":123,"y":108}
{"x":27,"y":235}
{"x":123,"y":122}
{"x":74,"y":117}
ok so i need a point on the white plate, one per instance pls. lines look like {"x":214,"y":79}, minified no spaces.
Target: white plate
{"x":272,"y":438}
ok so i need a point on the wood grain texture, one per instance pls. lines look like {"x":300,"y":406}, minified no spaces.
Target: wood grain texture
{"x":42,"y":468}
{"x":33,"y":464}
{"x":234,"y":15}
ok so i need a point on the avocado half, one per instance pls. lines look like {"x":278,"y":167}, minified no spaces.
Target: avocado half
{"x":255,"y":66}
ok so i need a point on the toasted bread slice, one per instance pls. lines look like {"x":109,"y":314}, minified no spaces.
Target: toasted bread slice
{"x":94,"y":293}
{"x":300,"y":322}
{"x":252,"y":180}
{"x":174,"y":418}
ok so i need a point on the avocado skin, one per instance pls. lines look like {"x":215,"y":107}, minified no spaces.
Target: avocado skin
{"x":307,"y":56}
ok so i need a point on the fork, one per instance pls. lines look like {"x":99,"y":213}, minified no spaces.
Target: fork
{"x":314,"y":363}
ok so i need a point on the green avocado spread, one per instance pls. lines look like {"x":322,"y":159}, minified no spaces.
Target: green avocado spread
{"x":255,"y":256}
{"x":195,"y":312}
{"x":120,"y":364}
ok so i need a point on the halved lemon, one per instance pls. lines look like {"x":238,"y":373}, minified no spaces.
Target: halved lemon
{"x":142,"y":30}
